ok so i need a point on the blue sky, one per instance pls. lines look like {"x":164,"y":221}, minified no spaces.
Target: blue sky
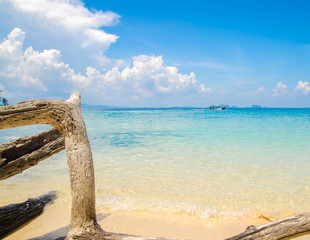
{"x":157,"y":53}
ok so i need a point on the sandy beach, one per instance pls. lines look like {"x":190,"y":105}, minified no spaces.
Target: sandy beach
{"x":54,"y":223}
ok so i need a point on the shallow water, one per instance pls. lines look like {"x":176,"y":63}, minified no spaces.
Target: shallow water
{"x":208,"y":164}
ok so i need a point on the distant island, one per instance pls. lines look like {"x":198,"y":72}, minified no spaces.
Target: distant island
{"x":256,"y":106}
{"x":253,"y":106}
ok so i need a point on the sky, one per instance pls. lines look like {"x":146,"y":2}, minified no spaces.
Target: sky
{"x":157,"y":53}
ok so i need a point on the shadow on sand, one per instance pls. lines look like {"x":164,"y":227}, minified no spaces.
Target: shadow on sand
{"x":61,"y":233}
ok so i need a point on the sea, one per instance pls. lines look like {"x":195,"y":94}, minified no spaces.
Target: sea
{"x":229,"y":164}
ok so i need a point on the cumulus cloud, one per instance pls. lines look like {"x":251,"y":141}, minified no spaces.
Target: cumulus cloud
{"x":303,"y":87}
{"x":29,"y":69}
{"x":69,"y":17}
{"x":70,"y":14}
{"x":147,"y":77}
{"x":280,"y":90}
{"x":259,"y":91}
{"x":45,"y":73}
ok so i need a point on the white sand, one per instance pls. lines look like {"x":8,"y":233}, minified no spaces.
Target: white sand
{"x":54,"y":223}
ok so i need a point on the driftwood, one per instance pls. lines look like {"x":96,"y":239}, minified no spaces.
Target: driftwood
{"x":116,"y":236}
{"x":15,"y":215}
{"x":66,"y":117}
{"x":119,"y":236}
{"x":23,"y":153}
{"x":280,"y":229}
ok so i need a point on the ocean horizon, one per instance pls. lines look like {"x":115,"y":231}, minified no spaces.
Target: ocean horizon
{"x":235,"y":163}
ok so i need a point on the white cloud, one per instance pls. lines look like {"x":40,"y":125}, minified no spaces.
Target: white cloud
{"x":44,"y":73}
{"x":31,"y":70}
{"x":94,"y":36}
{"x":70,"y":14}
{"x":67,"y":17}
{"x":280,"y":90}
{"x":147,"y":77}
{"x":303,"y":87}
{"x":259,"y":91}
{"x":11,"y":48}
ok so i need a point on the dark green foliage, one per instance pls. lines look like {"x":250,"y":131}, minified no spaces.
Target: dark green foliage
{"x":3,"y":101}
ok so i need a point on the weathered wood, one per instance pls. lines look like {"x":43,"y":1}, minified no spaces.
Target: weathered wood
{"x":66,"y":117}
{"x":23,"y":153}
{"x":118,"y":236}
{"x":15,"y":215}
{"x":280,"y":229}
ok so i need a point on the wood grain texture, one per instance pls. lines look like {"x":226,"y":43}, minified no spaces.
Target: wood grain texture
{"x":280,"y":229}
{"x":15,"y":215}
{"x":23,"y":153}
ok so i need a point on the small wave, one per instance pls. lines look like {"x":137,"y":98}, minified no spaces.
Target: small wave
{"x":193,"y":209}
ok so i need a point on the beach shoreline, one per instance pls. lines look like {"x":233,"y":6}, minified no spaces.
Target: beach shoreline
{"x":54,"y":223}
{"x":55,"y":220}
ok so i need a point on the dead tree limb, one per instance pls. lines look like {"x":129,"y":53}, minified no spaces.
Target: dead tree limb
{"x":20,"y":154}
{"x":67,"y":118}
{"x":15,"y":215}
{"x":118,"y":236}
{"x":286,"y":227}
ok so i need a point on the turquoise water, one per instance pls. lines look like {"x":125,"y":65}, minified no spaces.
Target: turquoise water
{"x":209,"y":164}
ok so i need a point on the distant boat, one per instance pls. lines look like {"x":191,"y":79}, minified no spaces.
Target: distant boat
{"x":212,"y":107}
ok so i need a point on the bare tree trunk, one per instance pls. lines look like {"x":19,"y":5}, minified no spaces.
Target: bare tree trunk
{"x":15,"y":215}
{"x":20,"y":154}
{"x":67,"y":118}
{"x":286,"y":227}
